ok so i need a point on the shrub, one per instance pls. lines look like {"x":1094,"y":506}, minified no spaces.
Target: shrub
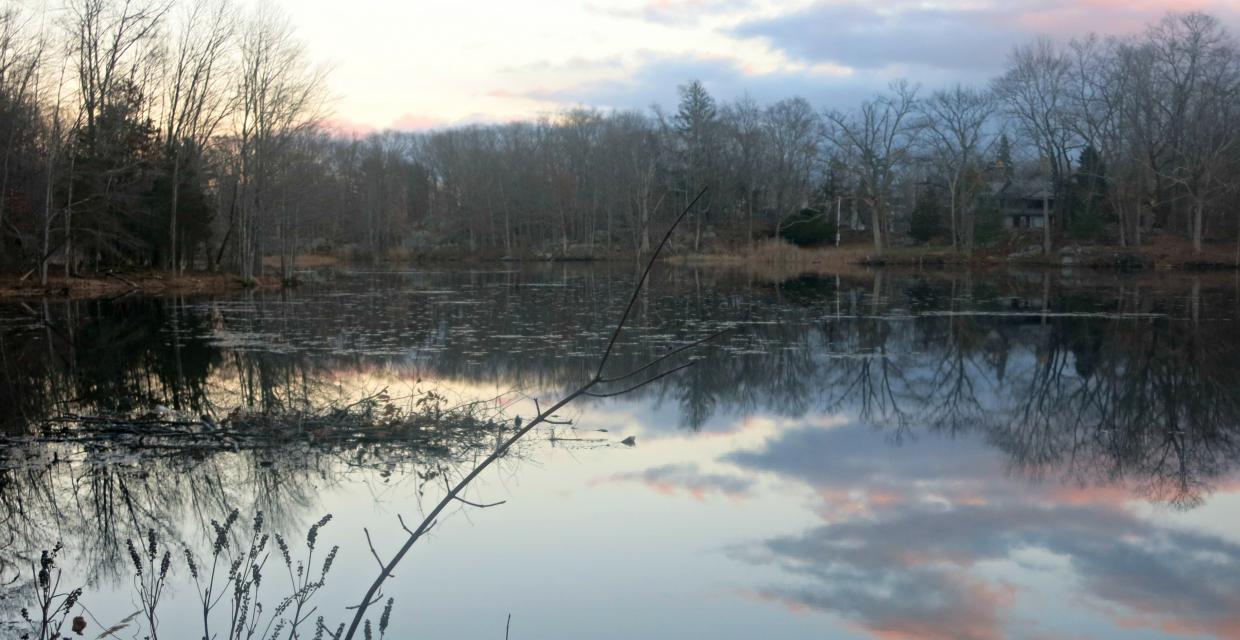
{"x":1085,"y":225}
{"x":923,"y":226}
{"x":807,"y":228}
{"x":988,"y":227}
{"x":925,"y":223}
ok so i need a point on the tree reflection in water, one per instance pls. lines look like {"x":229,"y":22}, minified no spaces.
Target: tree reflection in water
{"x":1129,"y":383}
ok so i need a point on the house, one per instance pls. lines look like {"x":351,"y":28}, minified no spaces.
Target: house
{"x":1023,"y":202}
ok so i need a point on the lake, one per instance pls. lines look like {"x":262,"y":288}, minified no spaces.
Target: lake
{"x":878,"y":454}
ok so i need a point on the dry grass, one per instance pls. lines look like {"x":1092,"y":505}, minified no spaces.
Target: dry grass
{"x":146,"y":282}
{"x":776,"y":257}
{"x":304,"y":261}
{"x":1169,"y":251}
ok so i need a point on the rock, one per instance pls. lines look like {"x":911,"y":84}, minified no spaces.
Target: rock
{"x":630,"y":441}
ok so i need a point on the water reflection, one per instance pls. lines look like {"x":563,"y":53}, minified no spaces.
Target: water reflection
{"x":988,"y":437}
{"x":920,"y":542}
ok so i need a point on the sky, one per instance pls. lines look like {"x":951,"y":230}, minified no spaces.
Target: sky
{"x":433,"y":63}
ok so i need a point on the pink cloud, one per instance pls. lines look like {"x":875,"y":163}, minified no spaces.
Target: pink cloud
{"x":1108,"y":16}
{"x":978,"y":615}
{"x":347,"y":128}
{"x":673,"y":478}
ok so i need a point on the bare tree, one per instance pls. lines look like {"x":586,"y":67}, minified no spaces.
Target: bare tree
{"x":874,"y":140}
{"x":279,"y":94}
{"x":195,"y":102}
{"x":110,"y":40}
{"x":793,"y":132}
{"x":21,"y":55}
{"x":955,"y":122}
{"x":1198,"y":71}
{"x":1034,"y":94}
{"x":747,"y":154}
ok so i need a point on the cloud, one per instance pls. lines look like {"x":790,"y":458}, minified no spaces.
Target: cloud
{"x":970,"y":42}
{"x":655,"y":77}
{"x":856,"y":458}
{"x":909,"y":526}
{"x":679,"y":12}
{"x":866,"y":37}
{"x":927,"y":605}
{"x":415,"y":122}
{"x":347,"y":128}
{"x":908,"y":574}
{"x":686,"y":477}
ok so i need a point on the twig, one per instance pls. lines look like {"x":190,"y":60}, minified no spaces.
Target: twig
{"x":361,"y":608}
{"x":402,"y":525}
{"x":670,"y":354}
{"x":365,"y":400}
{"x":372,"y":547}
{"x":642,"y":383}
{"x":480,"y":505}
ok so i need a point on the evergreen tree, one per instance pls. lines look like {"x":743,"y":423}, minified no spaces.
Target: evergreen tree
{"x":1089,"y":195}
{"x":697,"y":127}
{"x":114,"y":170}
{"x":1003,"y":158}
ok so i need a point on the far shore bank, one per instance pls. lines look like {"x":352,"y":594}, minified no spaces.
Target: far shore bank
{"x":118,"y":283}
{"x":770,"y":258}
{"x":1161,"y":255}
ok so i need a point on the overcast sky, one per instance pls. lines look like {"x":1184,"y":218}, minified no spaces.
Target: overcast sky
{"x":424,"y":63}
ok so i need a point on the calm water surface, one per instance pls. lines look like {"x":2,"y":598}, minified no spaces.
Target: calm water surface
{"x":886,"y":455}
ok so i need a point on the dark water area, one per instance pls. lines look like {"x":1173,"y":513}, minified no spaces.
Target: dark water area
{"x":879,"y":455}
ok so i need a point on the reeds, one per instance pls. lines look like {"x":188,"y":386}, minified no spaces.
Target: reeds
{"x":226,"y":582}
{"x":425,"y":423}
{"x":52,"y":606}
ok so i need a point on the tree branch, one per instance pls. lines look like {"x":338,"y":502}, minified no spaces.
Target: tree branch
{"x":453,"y":494}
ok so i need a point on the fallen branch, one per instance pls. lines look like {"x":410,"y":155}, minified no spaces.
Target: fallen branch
{"x":542,"y":417}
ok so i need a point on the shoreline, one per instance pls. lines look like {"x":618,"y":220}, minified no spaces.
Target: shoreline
{"x":771,"y":258}
{"x":1159,"y":257}
{"x":113,"y":284}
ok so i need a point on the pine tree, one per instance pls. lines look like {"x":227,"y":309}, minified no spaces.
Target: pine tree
{"x":1088,"y":195}
{"x":1003,"y":158}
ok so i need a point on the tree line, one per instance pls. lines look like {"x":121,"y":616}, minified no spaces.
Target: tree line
{"x":171,"y":135}
{"x":150,"y":133}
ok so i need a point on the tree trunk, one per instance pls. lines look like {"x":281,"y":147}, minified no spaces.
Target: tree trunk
{"x":1124,"y":226}
{"x":968,"y":220}
{"x":749,"y":219}
{"x":68,"y":242}
{"x":1046,"y":225}
{"x":4,"y":192}
{"x":172,"y":225}
{"x":1198,"y":219}
{"x":951,"y":211}
{"x":47,"y":224}
{"x":876,"y":224}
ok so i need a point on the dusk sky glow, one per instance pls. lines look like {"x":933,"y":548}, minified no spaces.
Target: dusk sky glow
{"x":432,"y":63}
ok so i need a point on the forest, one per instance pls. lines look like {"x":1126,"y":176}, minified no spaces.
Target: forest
{"x":174,"y":135}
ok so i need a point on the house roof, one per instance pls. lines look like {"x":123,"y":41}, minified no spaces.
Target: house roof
{"x":1022,"y":189}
